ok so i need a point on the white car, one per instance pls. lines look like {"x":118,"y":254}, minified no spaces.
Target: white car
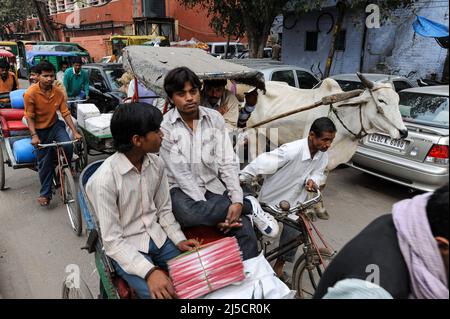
{"x":276,"y":71}
{"x":235,"y":49}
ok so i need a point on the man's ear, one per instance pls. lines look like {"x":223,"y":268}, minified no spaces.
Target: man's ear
{"x":443,"y":244}
{"x":136,"y":140}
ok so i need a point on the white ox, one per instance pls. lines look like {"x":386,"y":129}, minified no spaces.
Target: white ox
{"x":375,"y":110}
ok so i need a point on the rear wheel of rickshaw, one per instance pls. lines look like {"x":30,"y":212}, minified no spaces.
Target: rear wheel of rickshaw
{"x":71,"y":202}
{"x":75,"y":288}
{"x":308,"y":271}
{"x":2,"y":169}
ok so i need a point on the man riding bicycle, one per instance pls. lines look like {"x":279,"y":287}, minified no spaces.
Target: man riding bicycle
{"x":42,"y":102}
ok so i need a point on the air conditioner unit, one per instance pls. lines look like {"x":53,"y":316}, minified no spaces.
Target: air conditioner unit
{"x":154,"y":8}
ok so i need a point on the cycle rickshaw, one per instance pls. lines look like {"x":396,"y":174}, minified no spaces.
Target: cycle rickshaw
{"x":150,"y":65}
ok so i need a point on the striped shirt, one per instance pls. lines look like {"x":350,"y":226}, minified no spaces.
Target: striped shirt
{"x":133,"y":208}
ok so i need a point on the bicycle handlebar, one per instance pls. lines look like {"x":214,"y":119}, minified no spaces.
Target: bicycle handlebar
{"x":56,"y":144}
{"x":298,"y":207}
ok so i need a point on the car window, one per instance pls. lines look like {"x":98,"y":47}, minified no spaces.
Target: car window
{"x":350,"y":85}
{"x":424,"y":108}
{"x":401,"y":85}
{"x":113,"y":76}
{"x":241,"y":48}
{"x":96,"y":77}
{"x":219,"y":49}
{"x":284,"y":76}
{"x":306,"y":80}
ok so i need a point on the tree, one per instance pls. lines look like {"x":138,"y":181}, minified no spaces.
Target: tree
{"x":13,"y":12}
{"x":255,"y":17}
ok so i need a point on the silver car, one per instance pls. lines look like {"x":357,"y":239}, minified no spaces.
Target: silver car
{"x":420,"y":161}
{"x":277,"y":71}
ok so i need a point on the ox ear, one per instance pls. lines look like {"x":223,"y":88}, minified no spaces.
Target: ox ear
{"x":390,"y":82}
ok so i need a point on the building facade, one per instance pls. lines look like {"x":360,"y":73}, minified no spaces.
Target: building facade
{"x":392,"y":49}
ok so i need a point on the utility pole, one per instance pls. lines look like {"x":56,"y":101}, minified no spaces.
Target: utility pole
{"x":47,"y":29}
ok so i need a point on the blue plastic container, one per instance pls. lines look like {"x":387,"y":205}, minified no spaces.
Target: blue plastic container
{"x":16,"y":98}
{"x":23,"y":151}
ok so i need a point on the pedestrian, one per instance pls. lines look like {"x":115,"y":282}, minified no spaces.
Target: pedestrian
{"x":8,"y":80}
{"x":33,"y":78}
{"x":76,"y":81}
{"x":63,"y":66}
{"x":405,"y":254}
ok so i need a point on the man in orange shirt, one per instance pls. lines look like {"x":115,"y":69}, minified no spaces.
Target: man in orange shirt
{"x":8,"y":81}
{"x":42,"y":101}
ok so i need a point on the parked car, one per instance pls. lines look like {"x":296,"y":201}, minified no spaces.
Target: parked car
{"x":104,"y":86}
{"x":349,"y":82}
{"x":246,"y":54}
{"x":420,"y":161}
{"x":234,"y":49}
{"x":277,"y":71}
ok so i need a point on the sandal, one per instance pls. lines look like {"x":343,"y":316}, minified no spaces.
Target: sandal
{"x":43,"y":201}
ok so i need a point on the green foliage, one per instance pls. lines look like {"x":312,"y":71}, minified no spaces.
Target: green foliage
{"x":13,"y":11}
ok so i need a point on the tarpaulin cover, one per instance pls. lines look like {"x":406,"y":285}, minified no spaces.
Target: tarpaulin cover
{"x":429,"y":28}
{"x":151,"y":64}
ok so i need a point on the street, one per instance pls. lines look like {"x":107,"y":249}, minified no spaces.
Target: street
{"x":37,"y":244}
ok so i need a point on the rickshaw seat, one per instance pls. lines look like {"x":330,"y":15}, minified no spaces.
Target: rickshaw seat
{"x":11,"y":121}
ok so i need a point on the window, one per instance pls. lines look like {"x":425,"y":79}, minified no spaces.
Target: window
{"x":340,"y":40}
{"x":284,"y":76}
{"x":311,"y":40}
{"x":424,"y":109}
{"x":306,"y":80}
{"x":219,"y":49}
{"x":96,"y":77}
{"x":401,"y":85}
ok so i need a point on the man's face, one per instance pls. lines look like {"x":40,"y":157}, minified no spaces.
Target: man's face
{"x":47,"y":78}
{"x":214,"y":93}
{"x":150,"y":143}
{"x":444,"y":249}
{"x":77,"y":67}
{"x":3,"y":72}
{"x":322,"y":143}
{"x":64,"y":67}
{"x":34,"y":78}
{"x":187,"y":101}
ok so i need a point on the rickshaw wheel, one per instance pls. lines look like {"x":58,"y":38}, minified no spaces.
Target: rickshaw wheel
{"x":82,"y":152}
{"x":71,"y":202}
{"x":70,"y":291}
{"x":2,"y":169}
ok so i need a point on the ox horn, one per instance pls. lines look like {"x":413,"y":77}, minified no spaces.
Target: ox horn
{"x":368,"y":84}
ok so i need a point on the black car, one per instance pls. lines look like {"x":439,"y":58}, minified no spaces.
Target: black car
{"x":104,"y":86}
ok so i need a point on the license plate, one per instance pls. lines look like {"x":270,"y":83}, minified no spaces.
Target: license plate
{"x":387,"y":141}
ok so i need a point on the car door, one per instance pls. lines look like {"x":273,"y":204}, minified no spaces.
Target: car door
{"x":97,"y":89}
{"x":306,"y":80}
{"x":286,"y":76}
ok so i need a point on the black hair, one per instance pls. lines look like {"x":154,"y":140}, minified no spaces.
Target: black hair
{"x":77,"y":59}
{"x":438,"y":212}
{"x":45,"y":66}
{"x":177,"y":78}
{"x":4,"y":64}
{"x":63,"y":63}
{"x":322,"y":125}
{"x":133,"y":119}
{"x":215,"y":83}
{"x":35,"y":69}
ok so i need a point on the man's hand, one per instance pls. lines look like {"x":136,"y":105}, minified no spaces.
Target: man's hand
{"x":35,"y":140}
{"x":77,"y":136}
{"x":160,"y":286}
{"x":311,"y":186}
{"x":223,"y":109}
{"x":234,"y":213}
{"x":188,"y":245}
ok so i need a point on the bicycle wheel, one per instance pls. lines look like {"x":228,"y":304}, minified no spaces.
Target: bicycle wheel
{"x":2,"y":169}
{"x":307,"y":273}
{"x":71,"y":201}
{"x":69,"y":291}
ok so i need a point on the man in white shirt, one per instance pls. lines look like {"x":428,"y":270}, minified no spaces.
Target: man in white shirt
{"x":290,"y":172}
{"x":131,"y":199}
